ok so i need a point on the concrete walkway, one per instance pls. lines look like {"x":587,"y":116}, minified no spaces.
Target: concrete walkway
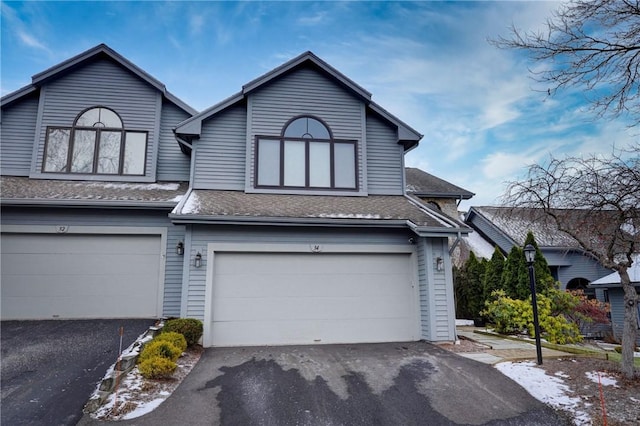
{"x":499,"y":349}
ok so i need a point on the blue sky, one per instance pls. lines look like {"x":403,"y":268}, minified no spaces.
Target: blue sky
{"x":428,"y":63}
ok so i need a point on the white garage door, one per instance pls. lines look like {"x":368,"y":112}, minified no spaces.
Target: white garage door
{"x":305,"y":298}
{"x":80,"y":276}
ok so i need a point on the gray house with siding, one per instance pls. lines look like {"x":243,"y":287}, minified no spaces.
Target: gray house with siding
{"x":614,"y":294}
{"x":277,"y":216}
{"x":506,"y":227}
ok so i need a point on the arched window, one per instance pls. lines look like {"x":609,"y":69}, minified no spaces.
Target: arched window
{"x":97,"y":143}
{"x":306,"y":156}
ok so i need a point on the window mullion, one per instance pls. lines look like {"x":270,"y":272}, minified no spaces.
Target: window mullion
{"x":123,"y":141}
{"x":72,"y":137}
{"x":307,"y":165}
{"x":332,"y":165}
{"x":281,"y":162}
{"x":96,"y":151}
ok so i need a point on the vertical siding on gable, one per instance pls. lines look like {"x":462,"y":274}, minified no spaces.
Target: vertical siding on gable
{"x":220,"y":152}
{"x":173,"y":164}
{"x":101,"y":83}
{"x":384,"y":158}
{"x":17,"y":133}
{"x":305,"y":91}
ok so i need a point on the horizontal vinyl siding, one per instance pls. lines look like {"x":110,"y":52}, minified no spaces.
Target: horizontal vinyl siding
{"x":173,"y":273}
{"x":384,"y":158}
{"x":616,"y":300}
{"x":306,"y":91}
{"x":220,"y":151}
{"x":17,"y":132}
{"x":101,"y":83}
{"x":173,"y":164}
{"x":581,"y":267}
{"x":201,"y":236}
{"x":436,"y":292}
{"x":423,"y":283}
{"x":89,"y":217}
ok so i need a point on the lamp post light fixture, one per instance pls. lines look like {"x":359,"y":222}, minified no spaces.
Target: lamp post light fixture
{"x":530,"y":256}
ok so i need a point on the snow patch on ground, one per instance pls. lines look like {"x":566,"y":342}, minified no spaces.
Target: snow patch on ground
{"x":603,"y":378}
{"x":463,"y":322}
{"x":550,"y":390}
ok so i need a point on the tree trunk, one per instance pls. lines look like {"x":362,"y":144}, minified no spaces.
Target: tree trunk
{"x":630,"y":330}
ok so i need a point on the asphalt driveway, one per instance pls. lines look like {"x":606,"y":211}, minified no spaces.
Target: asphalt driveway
{"x":367,"y":384}
{"x":50,"y":368}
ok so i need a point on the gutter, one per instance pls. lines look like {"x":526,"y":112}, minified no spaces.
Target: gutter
{"x":89,"y":203}
{"x":283,"y":221}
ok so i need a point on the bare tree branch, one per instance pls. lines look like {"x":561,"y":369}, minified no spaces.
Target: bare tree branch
{"x":590,"y":45}
{"x":596,"y":201}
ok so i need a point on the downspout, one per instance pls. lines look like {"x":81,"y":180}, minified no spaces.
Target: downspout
{"x":455,"y":243}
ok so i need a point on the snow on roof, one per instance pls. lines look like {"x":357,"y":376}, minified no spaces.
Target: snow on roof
{"x":614,"y":278}
{"x":479,"y":246}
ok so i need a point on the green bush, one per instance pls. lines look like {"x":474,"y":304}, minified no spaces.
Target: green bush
{"x":157,"y":367}
{"x":190,"y":328}
{"x":159,"y":348}
{"x":176,"y":339}
{"x":511,"y":316}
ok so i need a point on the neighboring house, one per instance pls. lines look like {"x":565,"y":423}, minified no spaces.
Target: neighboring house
{"x":294,"y":229}
{"x":506,"y":227}
{"x":435,"y":192}
{"x":444,"y":196}
{"x":90,"y":171}
{"x":614,"y":294}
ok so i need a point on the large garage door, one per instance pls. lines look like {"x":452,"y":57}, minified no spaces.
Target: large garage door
{"x":80,"y":276}
{"x":305,"y":298}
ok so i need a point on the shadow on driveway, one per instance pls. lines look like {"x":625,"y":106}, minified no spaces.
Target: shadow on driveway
{"x":367,"y":384}
{"x":50,"y":368}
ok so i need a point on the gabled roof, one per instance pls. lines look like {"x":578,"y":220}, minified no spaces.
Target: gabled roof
{"x":423,"y":184}
{"x":406,"y":135}
{"x":515,"y":222}
{"x":99,"y":51}
{"x":23,"y":191}
{"x":613,"y":280}
{"x":390,"y":211}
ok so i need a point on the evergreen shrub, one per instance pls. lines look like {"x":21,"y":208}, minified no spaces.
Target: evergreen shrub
{"x":157,"y":367}
{"x":176,"y":339}
{"x":159,"y":348}
{"x":190,"y":328}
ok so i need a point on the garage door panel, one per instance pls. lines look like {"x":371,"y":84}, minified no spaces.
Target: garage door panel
{"x":311,"y":332}
{"x":80,"y":276}
{"x":277,"y":309}
{"x":292,"y":298}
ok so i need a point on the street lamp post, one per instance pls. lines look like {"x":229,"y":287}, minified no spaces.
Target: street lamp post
{"x":530,"y":256}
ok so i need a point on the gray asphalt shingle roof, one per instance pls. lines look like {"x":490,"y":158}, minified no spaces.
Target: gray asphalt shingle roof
{"x":376,"y":208}
{"x":424,"y":184}
{"x":16,"y":190}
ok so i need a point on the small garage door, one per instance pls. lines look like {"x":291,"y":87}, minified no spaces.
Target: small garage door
{"x":80,"y":276}
{"x":305,"y":298}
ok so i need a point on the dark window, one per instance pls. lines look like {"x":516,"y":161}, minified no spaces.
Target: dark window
{"x":97,"y":143}
{"x":306,"y":156}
